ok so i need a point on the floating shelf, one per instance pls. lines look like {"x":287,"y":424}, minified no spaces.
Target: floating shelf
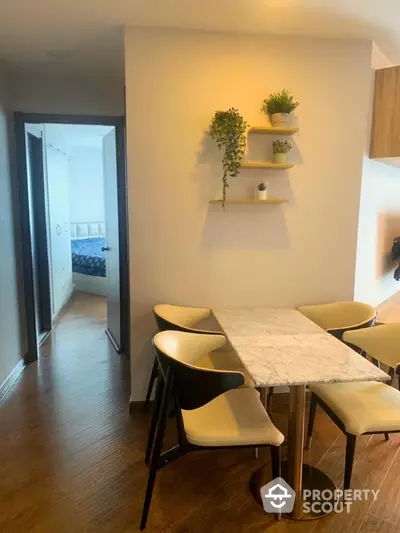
{"x":271,"y":130}
{"x":265,"y":164}
{"x":251,"y":202}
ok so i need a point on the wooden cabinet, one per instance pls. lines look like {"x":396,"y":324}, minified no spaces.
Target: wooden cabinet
{"x":385,"y":134}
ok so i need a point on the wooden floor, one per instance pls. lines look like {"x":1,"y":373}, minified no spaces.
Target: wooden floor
{"x":71,"y":457}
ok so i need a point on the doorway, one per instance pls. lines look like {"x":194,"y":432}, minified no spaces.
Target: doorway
{"x":74,"y":220}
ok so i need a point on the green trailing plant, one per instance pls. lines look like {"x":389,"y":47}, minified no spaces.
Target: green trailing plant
{"x":281,"y":147}
{"x":282,"y":102}
{"x":262,"y":186}
{"x":228,"y":129}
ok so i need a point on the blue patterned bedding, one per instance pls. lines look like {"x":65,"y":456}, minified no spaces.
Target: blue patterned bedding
{"x":87,"y":257}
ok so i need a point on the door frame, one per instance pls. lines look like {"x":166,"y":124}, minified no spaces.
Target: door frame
{"x":36,"y":164}
{"x":21,"y":119}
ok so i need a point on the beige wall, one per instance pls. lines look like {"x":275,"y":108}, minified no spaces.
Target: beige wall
{"x":379,"y":220}
{"x":187,"y":252}
{"x":11,"y":350}
{"x":70,"y":95}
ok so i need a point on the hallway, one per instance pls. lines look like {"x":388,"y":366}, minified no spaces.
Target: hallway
{"x":66,"y":438}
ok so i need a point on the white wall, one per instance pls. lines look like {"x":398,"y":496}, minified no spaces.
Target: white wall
{"x":86,"y":184}
{"x":379,"y":220}
{"x":11,"y":347}
{"x":69,"y":95}
{"x":184,"y":251}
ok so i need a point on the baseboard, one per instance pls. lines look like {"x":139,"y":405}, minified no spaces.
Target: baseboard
{"x":137,"y":406}
{"x":280,"y":400}
{"x":11,"y":379}
{"x":45,"y":337}
{"x":62,"y":309}
{"x":112,"y":340}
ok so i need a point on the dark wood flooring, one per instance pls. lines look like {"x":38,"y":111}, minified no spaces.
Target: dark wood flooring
{"x":71,"y":457}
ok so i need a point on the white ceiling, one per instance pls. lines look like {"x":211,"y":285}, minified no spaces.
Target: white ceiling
{"x":78,"y":135}
{"x":72,"y":35}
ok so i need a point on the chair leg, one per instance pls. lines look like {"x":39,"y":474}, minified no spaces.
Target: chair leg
{"x":275,"y":452}
{"x":263,"y":396}
{"x":155,"y":460}
{"x":154,"y":418}
{"x":269,"y":398}
{"x":275,"y":461}
{"x":348,"y":469}
{"x":153,"y":376}
{"x":387,"y":436}
{"x":391,"y":374}
{"x":311,"y":420}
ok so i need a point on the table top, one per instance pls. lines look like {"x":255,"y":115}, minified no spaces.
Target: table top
{"x":280,"y":346}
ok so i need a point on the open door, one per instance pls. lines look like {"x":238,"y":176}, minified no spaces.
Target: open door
{"x":112,"y":239}
{"x":40,"y":260}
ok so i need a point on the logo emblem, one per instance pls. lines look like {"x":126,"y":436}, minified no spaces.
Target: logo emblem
{"x":277,"y":496}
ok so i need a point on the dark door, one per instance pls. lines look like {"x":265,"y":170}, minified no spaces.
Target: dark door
{"x":40,"y":260}
{"x":112,"y":238}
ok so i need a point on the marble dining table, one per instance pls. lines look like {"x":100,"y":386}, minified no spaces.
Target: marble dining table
{"x":282,"y":347}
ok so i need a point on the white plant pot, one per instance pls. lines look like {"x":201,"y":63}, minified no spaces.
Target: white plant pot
{"x":281,"y":120}
{"x":261,"y":195}
{"x":280,"y":158}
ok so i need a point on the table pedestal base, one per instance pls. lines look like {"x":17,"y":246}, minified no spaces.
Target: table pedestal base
{"x":312,"y":479}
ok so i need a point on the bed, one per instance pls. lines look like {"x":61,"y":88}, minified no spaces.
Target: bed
{"x":89,"y":272}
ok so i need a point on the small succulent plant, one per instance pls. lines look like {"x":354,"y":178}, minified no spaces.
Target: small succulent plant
{"x":281,"y":147}
{"x":262,"y":186}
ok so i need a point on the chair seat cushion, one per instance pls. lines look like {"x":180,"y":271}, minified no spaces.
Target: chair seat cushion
{"x":232,"y":419}
{"x":362,"y":407}
{"x":225,"y":360}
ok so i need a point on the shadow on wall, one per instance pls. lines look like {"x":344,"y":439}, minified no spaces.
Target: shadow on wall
{"x":388,"y":229}
{"x":240,"y":226}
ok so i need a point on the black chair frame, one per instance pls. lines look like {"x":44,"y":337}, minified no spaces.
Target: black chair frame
{"x":179,"y":387}
{"x":165,"y":325}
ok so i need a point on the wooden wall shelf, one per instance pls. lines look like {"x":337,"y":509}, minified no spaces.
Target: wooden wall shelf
{"x":268,"y":201}
{"x":273,"y":131}
{"x":265,"y":164}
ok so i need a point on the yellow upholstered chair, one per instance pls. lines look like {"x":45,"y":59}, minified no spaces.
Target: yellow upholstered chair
{"x":181,"y":318}
{"x":212,"y":408}
{"x":338,"y":317}
{"x":366,"y":407}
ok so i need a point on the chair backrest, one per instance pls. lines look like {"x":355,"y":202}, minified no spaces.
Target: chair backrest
{"x":338,"y":317}
{"x":181,"y":318}
{"x":177,"y":353}
{"x":380,"y":342}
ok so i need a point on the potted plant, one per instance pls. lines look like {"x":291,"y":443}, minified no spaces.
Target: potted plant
{"x":281,"y":149}
{"x":228,"y":128}
{"x":279,"y":107}
{"x":262,"y":191}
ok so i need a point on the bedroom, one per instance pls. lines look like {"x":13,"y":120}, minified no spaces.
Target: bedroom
{"x":72,"y":180}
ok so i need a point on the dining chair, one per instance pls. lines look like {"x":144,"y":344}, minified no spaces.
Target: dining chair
{"x":182,"y":318}
{"x":211,"y":407}
{"x":336,"y":318}
{"x":362,"y":408}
